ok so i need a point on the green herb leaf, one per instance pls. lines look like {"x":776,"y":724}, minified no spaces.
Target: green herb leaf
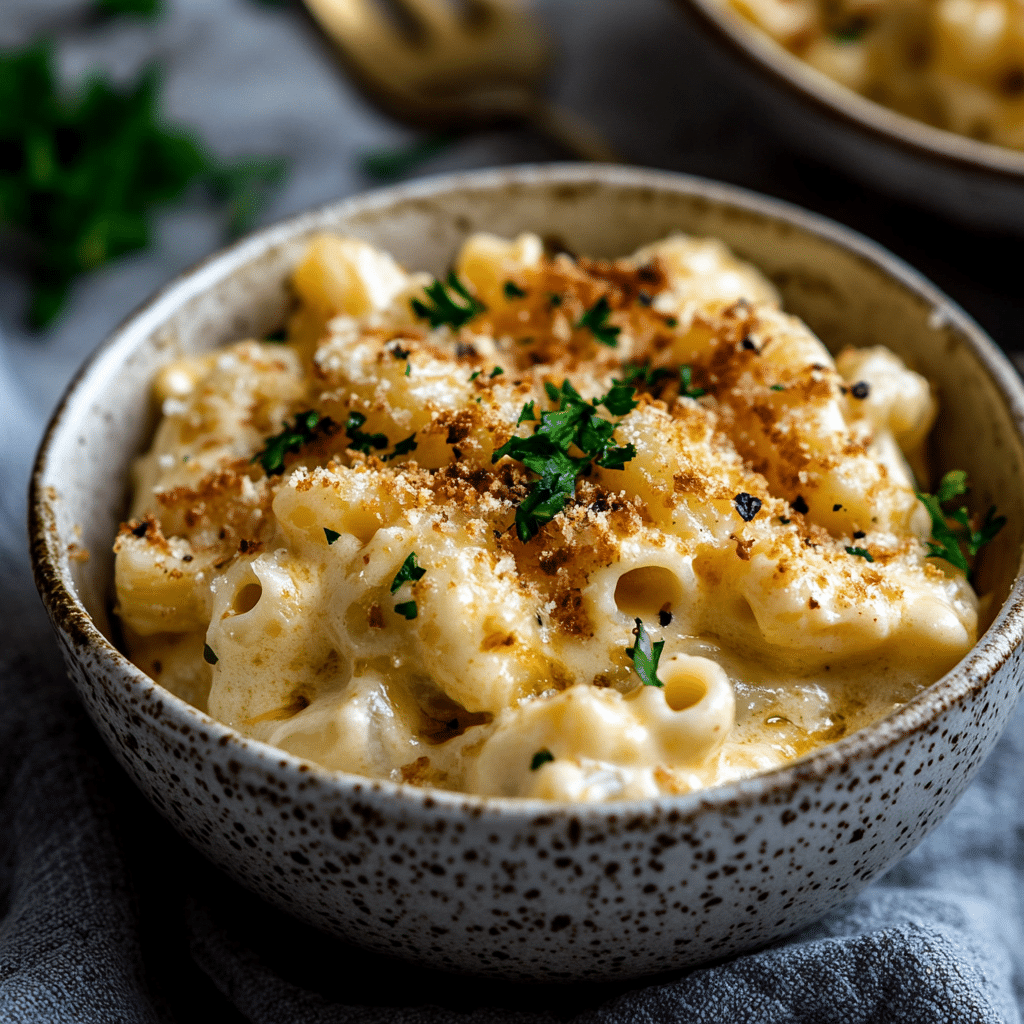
{"x":595,"y":320}
{"x":408,"y":609}
{"x":307,"y":426}
{"x":208,"y":656}
{"x":245,"y":186}
{"x":861,"y":553}
{"x":143,"y":8}
{"x":408,"y":573}
{"x":278,"y":337}
{"x":540,"y":758}
{"x":360,"y":441}
{"x":452,"y":305}
{"x":686,"y":380}
{"x":620,"y":399}
{"x":946,"y":539}
{"x":392,"y":164}
{"x":546,"y":451}
{"x":408,"y":369}
{"x":777,"y":387}
{"x":403,"y":447}
{"x":645,"y":656}
{"x":513,"y":291}
{"x":496,"y":372}
{"x":331,"y":535}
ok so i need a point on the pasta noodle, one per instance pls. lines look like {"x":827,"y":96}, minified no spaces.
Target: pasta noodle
{"x":555,"y":527}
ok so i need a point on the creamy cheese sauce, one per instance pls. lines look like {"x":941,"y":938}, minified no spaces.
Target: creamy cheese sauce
{"x":369,"y":589}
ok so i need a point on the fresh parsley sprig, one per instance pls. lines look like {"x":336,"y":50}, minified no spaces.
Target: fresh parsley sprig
{"x":452,"y":304}
{"x":947,"y":540}
{"x":306,"y":427}
{"x":546,"y":452}
{"x":595,"y":320}
{"x":81,"y":174}
{"x":645,"y":656}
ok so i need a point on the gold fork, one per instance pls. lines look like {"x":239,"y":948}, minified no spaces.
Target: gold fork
{"x":445,"y":67}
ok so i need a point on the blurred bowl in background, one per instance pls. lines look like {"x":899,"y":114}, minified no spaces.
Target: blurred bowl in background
{"x":975,"y":183}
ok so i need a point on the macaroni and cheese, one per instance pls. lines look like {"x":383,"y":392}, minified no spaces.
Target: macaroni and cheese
{"x":552,"y":527}
{"x":956,"y":64}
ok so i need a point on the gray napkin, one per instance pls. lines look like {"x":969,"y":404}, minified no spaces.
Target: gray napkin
{"x":106,"y":915}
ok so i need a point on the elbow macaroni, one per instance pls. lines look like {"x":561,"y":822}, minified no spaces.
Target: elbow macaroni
{"x":282,"y":602}
{"x":957,"y":64}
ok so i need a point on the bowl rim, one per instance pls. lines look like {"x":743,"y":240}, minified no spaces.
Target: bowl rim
{"x":828,"y":96}
{"x":70,"y":617}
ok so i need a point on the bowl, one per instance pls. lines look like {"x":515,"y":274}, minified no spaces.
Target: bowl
{"x":529,"y":889}
{"x":978,"y":184}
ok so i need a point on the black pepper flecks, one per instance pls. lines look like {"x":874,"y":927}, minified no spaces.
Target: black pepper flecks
{"x":747,"y":505}
{"x":664,"y":617}
{"x":800,"y":505}
{"x":861,"y":389}
{"x":748,"y":344}
{"x":859,"y":534}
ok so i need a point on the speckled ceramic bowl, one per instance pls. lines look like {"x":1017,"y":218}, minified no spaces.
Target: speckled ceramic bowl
{"x":976,"y":183}
{"x":528,"y":889}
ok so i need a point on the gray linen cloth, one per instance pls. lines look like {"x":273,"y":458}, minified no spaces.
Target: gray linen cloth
{"x":106,"y":915}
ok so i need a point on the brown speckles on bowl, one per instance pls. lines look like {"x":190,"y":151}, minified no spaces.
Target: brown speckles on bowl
{"x":525,"y":889}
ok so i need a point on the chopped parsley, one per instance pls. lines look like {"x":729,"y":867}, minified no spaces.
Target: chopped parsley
{"x":496,"y":372}
{"x":307,"y":426}
{"x":747,"y":506}
{"x":359,"y":440}
{"x":208,"y":656}
{"x":513,"y":291}
{"x":799,"y":505}
{"x":671,"y":321}
{"x":452,"y":304}
{"x":540,"y":758}
{"x":331,"y":535}
{"x":408,"y":369}
{"x":408,"y":609}
{"x":645,"y":656}
{"x":278,"y":337}
{"x":554,"y":299}
{"x":636,"y":373}
{"x":686,"y":381}
{"x":777,"y":387}
{"x":861,"y":553}
{"x":527,"y":413}
{"x":595,"y":320}
{"x":946,"y":539}
{"x":403,"y":447}
{"x":473,"y":376}
{"x":408,"y":573}
{"x":546,"y":451}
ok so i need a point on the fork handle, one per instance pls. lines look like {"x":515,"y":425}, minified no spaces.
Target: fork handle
{"x":568,"y":130}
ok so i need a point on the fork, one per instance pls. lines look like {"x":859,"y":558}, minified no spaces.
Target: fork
{"x":443,"y":67}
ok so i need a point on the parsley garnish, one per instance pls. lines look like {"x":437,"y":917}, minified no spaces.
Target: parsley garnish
{"x":452,"y":305}
{"x":686,"y":380}
{"x":946,"y":539}
{"x":360,"y":441}
{"x":527,"y":414}
{"x":278,"y":337}
{"x":496,"y":372}
{"x":473,"y":376}
{"x":540,"y":758}
{"x":392,"y":164}
{"x":331,"y":535}
{"x":644,"y":374}
{"x":546,"y":451}
{"x":408,"y":573}
{"x":861,"y":553}
{"x":777,"y":387}
{"x":645,"y":656}
{"x":208,"y":656}
{"x":292,"y":439}
{"x":403,"y":447}
{"x":82,"y":173}
{"x":513,"y":291}
{"x":595,"y":320}
{"x":408,"y":609}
